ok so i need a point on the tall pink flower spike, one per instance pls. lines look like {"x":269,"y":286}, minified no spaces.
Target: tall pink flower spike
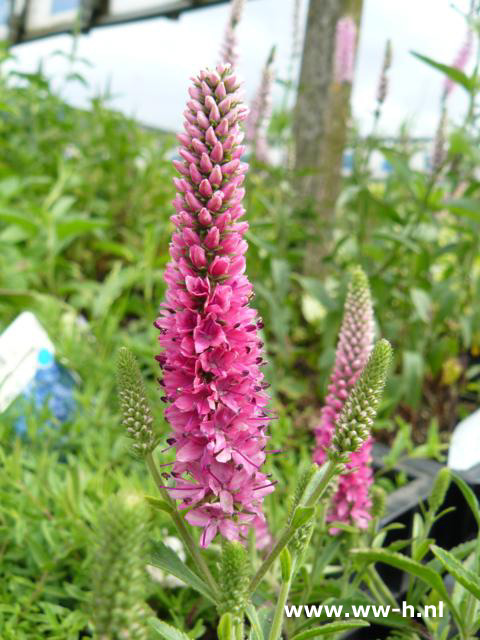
{"x":351,"y":502}
{"x":344,"y":56}
{"x":260,"y":112}
{"x":212,"y":355}
{"x":229,"y":48}
{"x":459,"y":63}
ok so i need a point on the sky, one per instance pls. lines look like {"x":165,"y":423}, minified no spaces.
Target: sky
{"x":146,"y":65}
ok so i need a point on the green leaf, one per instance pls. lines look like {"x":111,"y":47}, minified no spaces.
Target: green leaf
{"x":332,"y":627}
{"x":412,"y":377}
{"x":78,"y":226}
{"x":313,"y":310}
{"x":157,"y":503}
{"x":165,"y":558}
{"x":11,"y":216}
{"x":167,"y":631}
{"x":301,"y":516}
{"x":466,"y":207}
{"x":459,"y":77}
{"x":422,"y":303}
{"x":286,"y":564}
{"x":225,"y":627}
{"x":408,"y":565}
{"x":343,"y":526}
{"x":255,"y":623}
{"x":469,"y":496}
{"x":464,"y":576}
{"x":114,"y":285}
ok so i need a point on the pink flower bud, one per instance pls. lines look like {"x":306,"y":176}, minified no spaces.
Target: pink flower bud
{"x":216,"y":155}
{"x":225,"y":105}
{"x":184,"y":139}
{"x":210,"y":137}
{"x":205,"y":163}
{"x":186,"y":155}
{"x":206,"y":89}
{"x":230,"y":167}
{"x":180,"y":167}
{"x":193,"y":131}
{"x":193,"y":202}
{"x":223,"y":220}
{"x":218,"y":267}
{"x":195,"y":93}
{"x":220,"y":91}
{"x":199,"y":147}
{"x":212,"y":238}
{"x":195,"y":174}
{"x":202,"y":120}
{"x":229,"y":142}
{"x":195,"y":106}
{"x":216,"y":176}
{"x":215,"y":201}
{"x":197,"y":256}
{"x":205,"y":188}
{"x":204,"y":217}
{"x":222,"y":128}
{"x":228,"y":190}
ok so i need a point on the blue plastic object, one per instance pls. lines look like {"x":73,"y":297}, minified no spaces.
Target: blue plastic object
{"x":51,"y":387}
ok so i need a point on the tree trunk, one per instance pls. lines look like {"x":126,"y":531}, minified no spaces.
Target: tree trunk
{"x":320,"y":124}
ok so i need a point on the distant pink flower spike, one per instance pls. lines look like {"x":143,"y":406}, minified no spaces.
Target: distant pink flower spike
{"x":260,"y":112}
{"x":459,"y":63}
{"x":229,"y":48}
{"x":351,"y":502}
{"x":212,"y":354}
{"x":345,"y":43}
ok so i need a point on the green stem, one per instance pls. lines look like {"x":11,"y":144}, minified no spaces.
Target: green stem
{"x":270,"y":559}
{"x":331,"y":470}
{"x":277,"y":624}
{"x":238,"y":629}
{"x":380,"y":587}
{"x":181,"y":527}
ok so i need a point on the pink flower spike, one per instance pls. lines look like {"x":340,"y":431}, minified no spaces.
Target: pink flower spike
{"x":355,"y":344}
{"x":211,"y":352}
{"x":261,"y":109}
{"x":460,"y":62}
{"x":345,"y":45}
{"x":229,"y":48}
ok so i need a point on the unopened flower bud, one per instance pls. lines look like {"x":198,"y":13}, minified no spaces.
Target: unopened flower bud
{"x":355,"y":421}
{"x":379,"y":502}
{"x":119,"y":587}
{"x":136,"y":412}
{"x":234,"y":578}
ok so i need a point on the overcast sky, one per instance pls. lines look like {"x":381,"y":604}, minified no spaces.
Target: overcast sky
{"x":147,"y":65}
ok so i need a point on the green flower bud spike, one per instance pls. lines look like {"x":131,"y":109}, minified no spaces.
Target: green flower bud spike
{"x":118,"y":574}
{"x":302,"y":535}
{"x":353,"y":424}
{"x":136,"y":412}
{"x":234,"y":579}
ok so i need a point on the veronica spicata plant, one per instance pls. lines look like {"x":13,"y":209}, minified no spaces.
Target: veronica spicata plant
{"x":214,"y":387}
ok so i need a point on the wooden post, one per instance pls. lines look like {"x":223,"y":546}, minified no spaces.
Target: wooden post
{"x":320,"y":123}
